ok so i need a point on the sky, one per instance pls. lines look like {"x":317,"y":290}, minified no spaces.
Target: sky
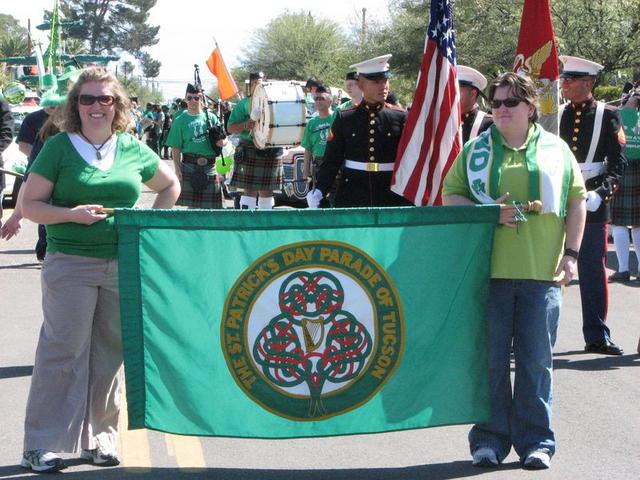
{"x":188,"y":28}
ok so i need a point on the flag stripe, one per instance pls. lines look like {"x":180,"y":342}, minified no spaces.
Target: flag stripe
{"x":431,"y":140}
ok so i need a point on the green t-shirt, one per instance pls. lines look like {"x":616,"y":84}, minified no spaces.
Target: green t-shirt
{"x":533,"y":250}
{"x":316,"y":133}
{"x":239,"y":114}
{"x":344,"y":105}
{"x":189,"y":133}
{"x":631,"y":125}
{"x":75,"y":182}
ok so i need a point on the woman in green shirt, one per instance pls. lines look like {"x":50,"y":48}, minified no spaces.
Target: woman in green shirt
{"x":517,"y":160}
{"x":74,"y":398}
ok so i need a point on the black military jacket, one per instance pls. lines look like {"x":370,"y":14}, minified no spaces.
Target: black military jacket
{"x":576,"y":128}
{"x":467,"y":122}
{"x":363,"y":133}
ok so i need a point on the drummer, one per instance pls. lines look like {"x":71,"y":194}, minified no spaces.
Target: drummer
{"x":258,"y":172}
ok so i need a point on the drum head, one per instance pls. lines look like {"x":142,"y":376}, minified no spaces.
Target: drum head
{"x":283,"y":114}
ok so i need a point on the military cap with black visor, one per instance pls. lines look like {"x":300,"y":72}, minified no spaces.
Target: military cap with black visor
{"x":472,"y":84}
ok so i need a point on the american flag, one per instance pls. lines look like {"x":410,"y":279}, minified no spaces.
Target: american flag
{"x":430,"y":141}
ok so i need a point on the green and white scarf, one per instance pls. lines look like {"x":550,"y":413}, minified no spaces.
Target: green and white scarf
{"x":548,"y":163}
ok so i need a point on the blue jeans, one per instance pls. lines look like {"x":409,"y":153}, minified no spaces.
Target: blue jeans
{"x":524,"y":312}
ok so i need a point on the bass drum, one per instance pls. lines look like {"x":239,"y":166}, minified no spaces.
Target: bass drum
{"x":282,"y":114}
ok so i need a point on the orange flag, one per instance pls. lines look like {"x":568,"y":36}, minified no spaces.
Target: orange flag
{"x":226,"y":84}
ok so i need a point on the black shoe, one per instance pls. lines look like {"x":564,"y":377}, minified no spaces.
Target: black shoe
{"x":620,"y":277}
{"x":605,"y":347}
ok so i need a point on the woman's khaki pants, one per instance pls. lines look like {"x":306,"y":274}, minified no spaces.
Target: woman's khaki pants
{"x":74,"y":399}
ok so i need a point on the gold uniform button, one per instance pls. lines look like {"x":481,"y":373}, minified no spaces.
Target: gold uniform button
{"x":372,"y":158}
{"x":372,"y":131}
{"x":371,"y":140}
{"x":574,"y":148}
{"x":575,"y":139}
{"x":576,"y":130}
{"x":372,"y":115}
{"x":371,"y":149}
{"x":372,"y":122}
{"x":578,"y":113}
{"x":577,"y":120}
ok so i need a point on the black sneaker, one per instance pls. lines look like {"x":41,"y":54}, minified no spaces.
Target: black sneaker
{"x":100,"y":457}
{"x":43,"y":461}
{"x":619,"y":277}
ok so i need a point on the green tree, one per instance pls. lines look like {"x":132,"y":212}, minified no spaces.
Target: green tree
{"x":112,"y":26}
{"x":150,"y":66}
{"x":298,"y":46}
{"x":127,"y":68}
{"x":13,"y":37}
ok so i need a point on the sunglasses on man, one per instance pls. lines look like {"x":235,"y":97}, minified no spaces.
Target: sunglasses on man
{"x":508,"y":102}
{"x":104,"y":100}
{"x":191,"y":98}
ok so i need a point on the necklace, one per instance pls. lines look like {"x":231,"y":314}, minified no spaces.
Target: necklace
{"x":97,"y":149}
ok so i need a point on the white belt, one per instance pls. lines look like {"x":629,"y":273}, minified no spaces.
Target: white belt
{"x":369,"y":166}
{"x":592,"y":169}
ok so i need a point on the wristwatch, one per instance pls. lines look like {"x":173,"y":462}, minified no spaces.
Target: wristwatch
{"x":570,"y":252}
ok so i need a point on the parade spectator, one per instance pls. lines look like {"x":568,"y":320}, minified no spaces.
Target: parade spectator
{"x":474,"y":121}
{"x":316,"y":132}
{"x":74,"y":399}
{"x":53,"y":104}
{"x":194,"y":156}
{"x":6,"y":137}
{"x":166,"y":126}
{"x":362,"y":145}
{"x":257,"y":172}
{"x":594,"y":133}
{"x":527,"y":261}
{"x":310,"y":90}
{"x":625,"y":206}
{"x":351,"y":87}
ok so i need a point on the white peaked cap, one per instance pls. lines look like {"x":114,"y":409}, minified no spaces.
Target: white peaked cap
{"x":578,"y":67}
{"x":374,"y":67}
{"x":471,"y":76}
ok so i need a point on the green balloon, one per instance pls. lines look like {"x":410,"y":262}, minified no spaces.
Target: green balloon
{"x":15,"y":92}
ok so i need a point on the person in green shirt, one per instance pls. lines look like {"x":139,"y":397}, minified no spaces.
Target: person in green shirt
{"x":193,"y":156}
{"x":316,"y":132}
{"x":625,"y":205}
{"x":257,"y":172}
{"x":517,"y":161}
{"x":74,"y":400}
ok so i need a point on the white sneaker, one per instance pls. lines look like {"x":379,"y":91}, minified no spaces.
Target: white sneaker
{"x":42,"y":461}
{"x":537,"y":460}
{"x":100,"y":457}
{"x":485,"y":457}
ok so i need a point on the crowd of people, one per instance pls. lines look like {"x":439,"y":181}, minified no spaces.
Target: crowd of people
{"x":556,"y":195}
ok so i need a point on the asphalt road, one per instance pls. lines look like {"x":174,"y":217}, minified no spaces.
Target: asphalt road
{"x":596,"y":412}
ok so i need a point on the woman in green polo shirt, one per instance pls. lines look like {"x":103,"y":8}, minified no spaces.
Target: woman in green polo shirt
{"x":74,"y":398}
{"x":517,"y":160}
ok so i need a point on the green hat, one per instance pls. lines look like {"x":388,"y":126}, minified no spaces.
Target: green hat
{"x":51,"y":98}
{"x":70,"y":74}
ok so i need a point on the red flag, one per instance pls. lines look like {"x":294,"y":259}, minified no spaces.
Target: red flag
{"x":537,"y":56}
{"x":226,"y":84}
{"x":430,"y":141}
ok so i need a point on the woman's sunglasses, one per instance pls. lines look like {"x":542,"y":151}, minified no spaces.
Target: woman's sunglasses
{"x":508,"y":102}
{"x":104,"y":100}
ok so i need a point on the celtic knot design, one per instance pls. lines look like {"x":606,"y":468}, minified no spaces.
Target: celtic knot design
{"x":313,"y":339}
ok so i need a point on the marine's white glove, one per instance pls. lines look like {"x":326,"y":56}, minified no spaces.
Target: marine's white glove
{"x":313,"y":198}
{"x":593,"y":201}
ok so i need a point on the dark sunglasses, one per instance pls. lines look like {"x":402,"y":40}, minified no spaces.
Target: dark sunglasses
{"x":104,"y":100}
{"x":193,"y":97}
{"x":508,"y":102}
{"x":320,"y":98}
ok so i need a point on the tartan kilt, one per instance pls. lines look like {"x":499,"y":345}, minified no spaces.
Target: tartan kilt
{"x":625,"y":204}
{"x":255,"y":169}
{"x":209,"y":198}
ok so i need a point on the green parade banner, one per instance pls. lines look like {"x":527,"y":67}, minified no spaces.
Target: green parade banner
{"x":302,"y":323}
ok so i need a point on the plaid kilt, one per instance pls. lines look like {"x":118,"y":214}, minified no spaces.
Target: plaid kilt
{"x":625,"y":205}
{"x":209,"y":198}
{"x":255,"y":169}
